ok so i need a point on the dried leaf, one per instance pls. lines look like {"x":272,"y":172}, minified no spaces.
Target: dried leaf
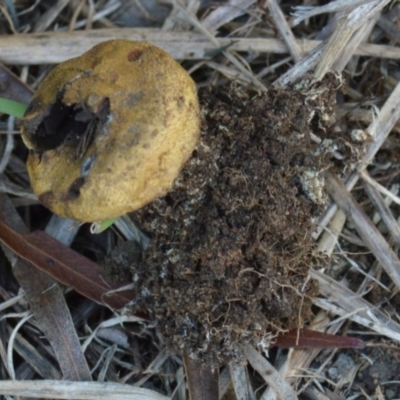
{"x":65,"y":265}
{"x":48,"y":305}
{"x":305,"y":338}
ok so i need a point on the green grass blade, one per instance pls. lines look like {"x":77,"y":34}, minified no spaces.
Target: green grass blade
{"x":13,"y":108}
{"x":101,"y":226}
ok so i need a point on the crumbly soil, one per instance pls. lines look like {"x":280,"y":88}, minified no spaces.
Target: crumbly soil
{"x":231,"y":245}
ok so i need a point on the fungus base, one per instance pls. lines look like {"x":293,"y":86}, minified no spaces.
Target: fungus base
{"x":231,"y":245}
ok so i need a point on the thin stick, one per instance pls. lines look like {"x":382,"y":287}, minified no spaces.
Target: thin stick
{"x":284,"y":29}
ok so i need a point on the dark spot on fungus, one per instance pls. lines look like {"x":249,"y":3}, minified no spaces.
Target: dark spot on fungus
{"x":180,"y":101}
{"x":133,"y":99}
{"x":113,"y":77}
{"x":74,"y":189}
{"x":134,"y":55}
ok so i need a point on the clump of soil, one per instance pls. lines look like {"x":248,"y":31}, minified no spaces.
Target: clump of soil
{"x":230,"y":244}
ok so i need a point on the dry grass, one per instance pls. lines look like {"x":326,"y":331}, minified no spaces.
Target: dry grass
{"x":253,"y":43}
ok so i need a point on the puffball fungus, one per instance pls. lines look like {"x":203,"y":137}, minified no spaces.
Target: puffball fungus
{"x":109,"y":131}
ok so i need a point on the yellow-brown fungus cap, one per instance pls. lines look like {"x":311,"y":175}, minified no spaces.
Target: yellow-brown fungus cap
{"x":109,"y":131}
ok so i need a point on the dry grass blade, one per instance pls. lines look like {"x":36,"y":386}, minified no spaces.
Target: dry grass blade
{"x":337,"y":42}
{"x":303,"y":12}
{"x":46,"y":389}
{"x":384,"y":212}
{"x":366,"y":229}
{"x":47,"y":18}
{"x":379,"y":129}
{"x":302,"y":67}
{"x":226,"y":13}
{"x":196,"y":23}
{"x":347,"y":304}
{"x":269,"y":374}
{"x":361,"y":35}
{"x":229,"y":72}
{"x":131,"y":231}
{"x":62,"y":229}
{"x":379,"y":188}
{"x":284,"y":29}
{"x":11,"y":188}
{"x":240,"y":382}
{"x":382,"y":125}
{"x":35,"y":359}
{"x":25,"y":317}
{"x":329,"y":239}
{"x":389,"y":28}
{"x":117,"y":321}
{"x":55,"y":47}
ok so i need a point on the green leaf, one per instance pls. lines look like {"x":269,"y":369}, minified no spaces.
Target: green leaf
{"x":101,"y":226}
{"x":13,"y":108}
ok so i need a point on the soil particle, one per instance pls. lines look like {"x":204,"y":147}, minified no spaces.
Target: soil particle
{"x":118,"y":262}
{"x":341,"y":367}
{"x":231,"y":245}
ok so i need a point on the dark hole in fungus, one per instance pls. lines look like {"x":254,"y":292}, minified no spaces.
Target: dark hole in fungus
{"x":74,"y":189}
{"x":64,"y":122}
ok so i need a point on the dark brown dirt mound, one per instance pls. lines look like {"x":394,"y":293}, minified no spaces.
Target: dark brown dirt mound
{"x":231,"y":244}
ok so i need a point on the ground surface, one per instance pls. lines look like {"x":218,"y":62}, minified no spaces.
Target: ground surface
{"x":241,"y":208}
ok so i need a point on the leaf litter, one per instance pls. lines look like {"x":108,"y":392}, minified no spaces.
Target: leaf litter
{"x":374,"y":73}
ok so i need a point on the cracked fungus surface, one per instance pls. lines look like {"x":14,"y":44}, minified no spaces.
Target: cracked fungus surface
{"x":231,"y":244}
